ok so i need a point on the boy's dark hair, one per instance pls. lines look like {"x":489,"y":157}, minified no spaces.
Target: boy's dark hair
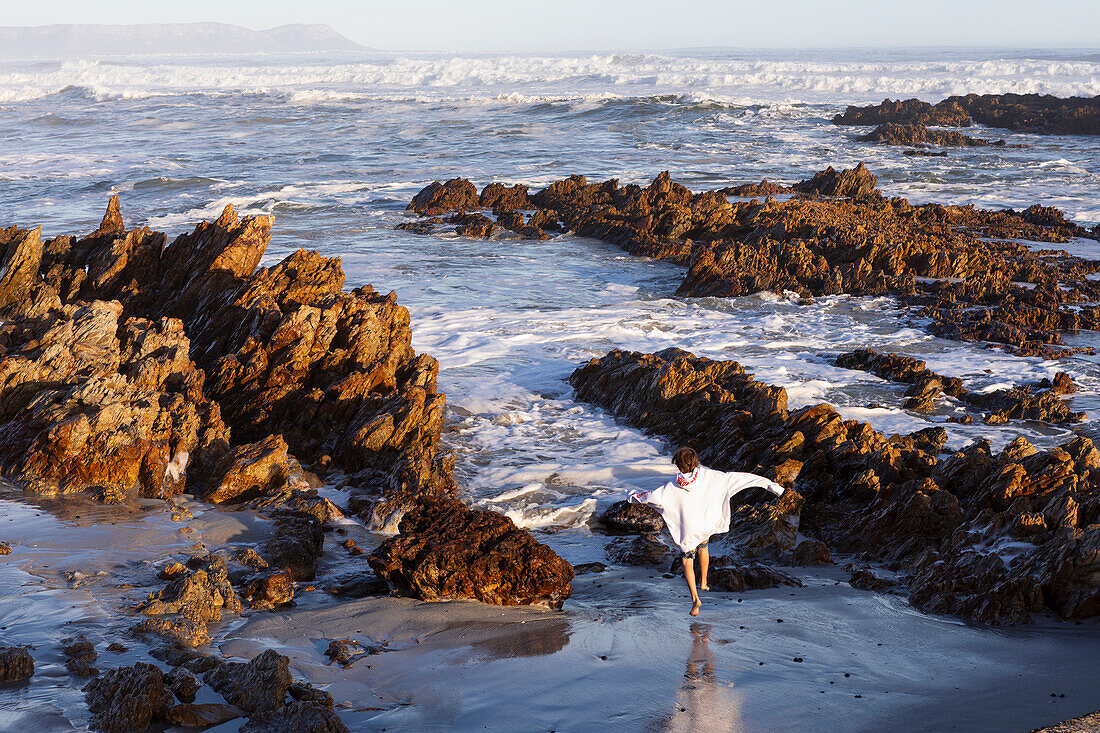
{"x":686,"y":460}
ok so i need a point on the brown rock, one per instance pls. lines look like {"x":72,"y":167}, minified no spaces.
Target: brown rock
{"x":201,"y":715}
{"x":194,"y":596}
{"x":268,"y":590}
{"x":812,"y":552}
{"x":16,"y":664}
{"x":893,"y":133}
{"x":182,"y":683}
{"x":80,"y":656}
{"x":255,"y":469}
{"x":295,"y":717}
{"x":505,"y":198}
{"x":437,"y":198}
{"x":445,"y":551}
{"x":127,"y":699}
{"x":255,"y":686}
{"x":733,"y":577}
{"x":844,"y":184}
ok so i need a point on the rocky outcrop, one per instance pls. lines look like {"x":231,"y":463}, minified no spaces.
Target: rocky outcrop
{"x":80,"y":656}
{"x":953,"y":266}
{"x":195,"y":595}
{"x":447,"y":551}
{"x":127,"y":699}
{"x":645,"y":549}
{"x":99,"y":389}
{"x":895,"y":133}
{"x":942,"y":520}
{"x":1042,"y":401}
{"x":1044,"y":114}
{"x":908,"y":112}
{"x":16,"y":664}
{"x":454,"y":195}
{"x":764,"y":188}
{"x":254,"y":686}
{"x":269,"y":589}
{"x":851,"y":183}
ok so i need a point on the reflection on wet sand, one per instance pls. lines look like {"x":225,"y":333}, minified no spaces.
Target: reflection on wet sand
{"x":704,"y":702}
{"x":534,"y":639}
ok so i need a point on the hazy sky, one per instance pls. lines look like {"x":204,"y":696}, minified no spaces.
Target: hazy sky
{"x":617,"y":24}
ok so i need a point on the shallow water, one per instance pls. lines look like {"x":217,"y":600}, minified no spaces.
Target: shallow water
{"x":335,"y":148}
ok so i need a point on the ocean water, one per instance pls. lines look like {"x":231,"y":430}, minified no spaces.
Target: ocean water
{"x":334,"y":148}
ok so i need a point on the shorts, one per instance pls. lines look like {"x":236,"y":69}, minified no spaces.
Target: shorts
{"x":691,"y":555}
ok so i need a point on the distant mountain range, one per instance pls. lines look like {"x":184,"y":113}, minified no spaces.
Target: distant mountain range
{"x":82,"y":41}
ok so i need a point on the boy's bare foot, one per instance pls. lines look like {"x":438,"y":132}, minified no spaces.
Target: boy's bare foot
{"x":695,"y":608}
{"x":704,"y":586}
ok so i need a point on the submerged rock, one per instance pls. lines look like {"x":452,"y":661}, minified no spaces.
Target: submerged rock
{"x":447,"y":551}
{"x":80,"y":656}
{"x":894,"y":133}
{"x":201,"y":715}
{"x":728,"y":575}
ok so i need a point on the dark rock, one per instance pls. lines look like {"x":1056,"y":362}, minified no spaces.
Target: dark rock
{"x":498,"y":196}
{"x":627,"y":517}
{"x":80,"y":656}
{"x":812,"y":552}
{"x":644,"y":549}
{"x":734,"y":577}
{"x":194,"y":596}
{"x":893,"y":133}
{"x":359,"y":586}
{"x":182,"y":683}
{"x":296,"y":544}
{"x":16,"y":664}
{"x":764,"y":188}
{"x":444,"y":551}
{"x":472,"y":225}
{"x":201,"y":715}
{"x":909,"y":111}
{"x":127,"y":699}
{"x":295,"y":717}
{"x":589,"y":567}
{"x":255,"y":686}
{"x":864,"y":579}
{"x":1034,"y":113}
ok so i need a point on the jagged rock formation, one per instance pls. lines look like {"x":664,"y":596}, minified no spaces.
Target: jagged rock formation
{"x":127,"y":362}
{"x":638,"y":518}
{"x":447,"y":551}
{"x":942,"y":520}
{"x":838,"y":234}
{"x":195,"y":595}
{"x":127,"y":699}
{"x":1042,"y":401}
{"x":1044,"y":114}
{"x":915,"y":134}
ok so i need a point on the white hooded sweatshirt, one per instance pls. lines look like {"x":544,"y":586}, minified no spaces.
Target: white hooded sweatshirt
{"x":696,"y":505}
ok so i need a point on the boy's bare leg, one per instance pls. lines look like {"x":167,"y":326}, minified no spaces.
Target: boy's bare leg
{"x":704,"y":565}
{"x":689,"y":575}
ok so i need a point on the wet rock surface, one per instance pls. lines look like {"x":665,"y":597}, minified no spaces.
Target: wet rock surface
{"x":941,"y":519}
{"x":1041,"y":401}
{"x":915,"y":134}
{"x":952,"y":266}
{"x":447,"y":551}
{"x":16,"y":664}
{"x":626,"y":517}
{"x":646,"y":549}
{"x":254,"y":686}
{"x":733,"y":576}
{"x":1036,"y":113}
{"x":80,"y":656}
{"x":127,"y":699}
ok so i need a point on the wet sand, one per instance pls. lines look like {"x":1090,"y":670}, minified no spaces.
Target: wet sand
{"x":623,"y":655}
